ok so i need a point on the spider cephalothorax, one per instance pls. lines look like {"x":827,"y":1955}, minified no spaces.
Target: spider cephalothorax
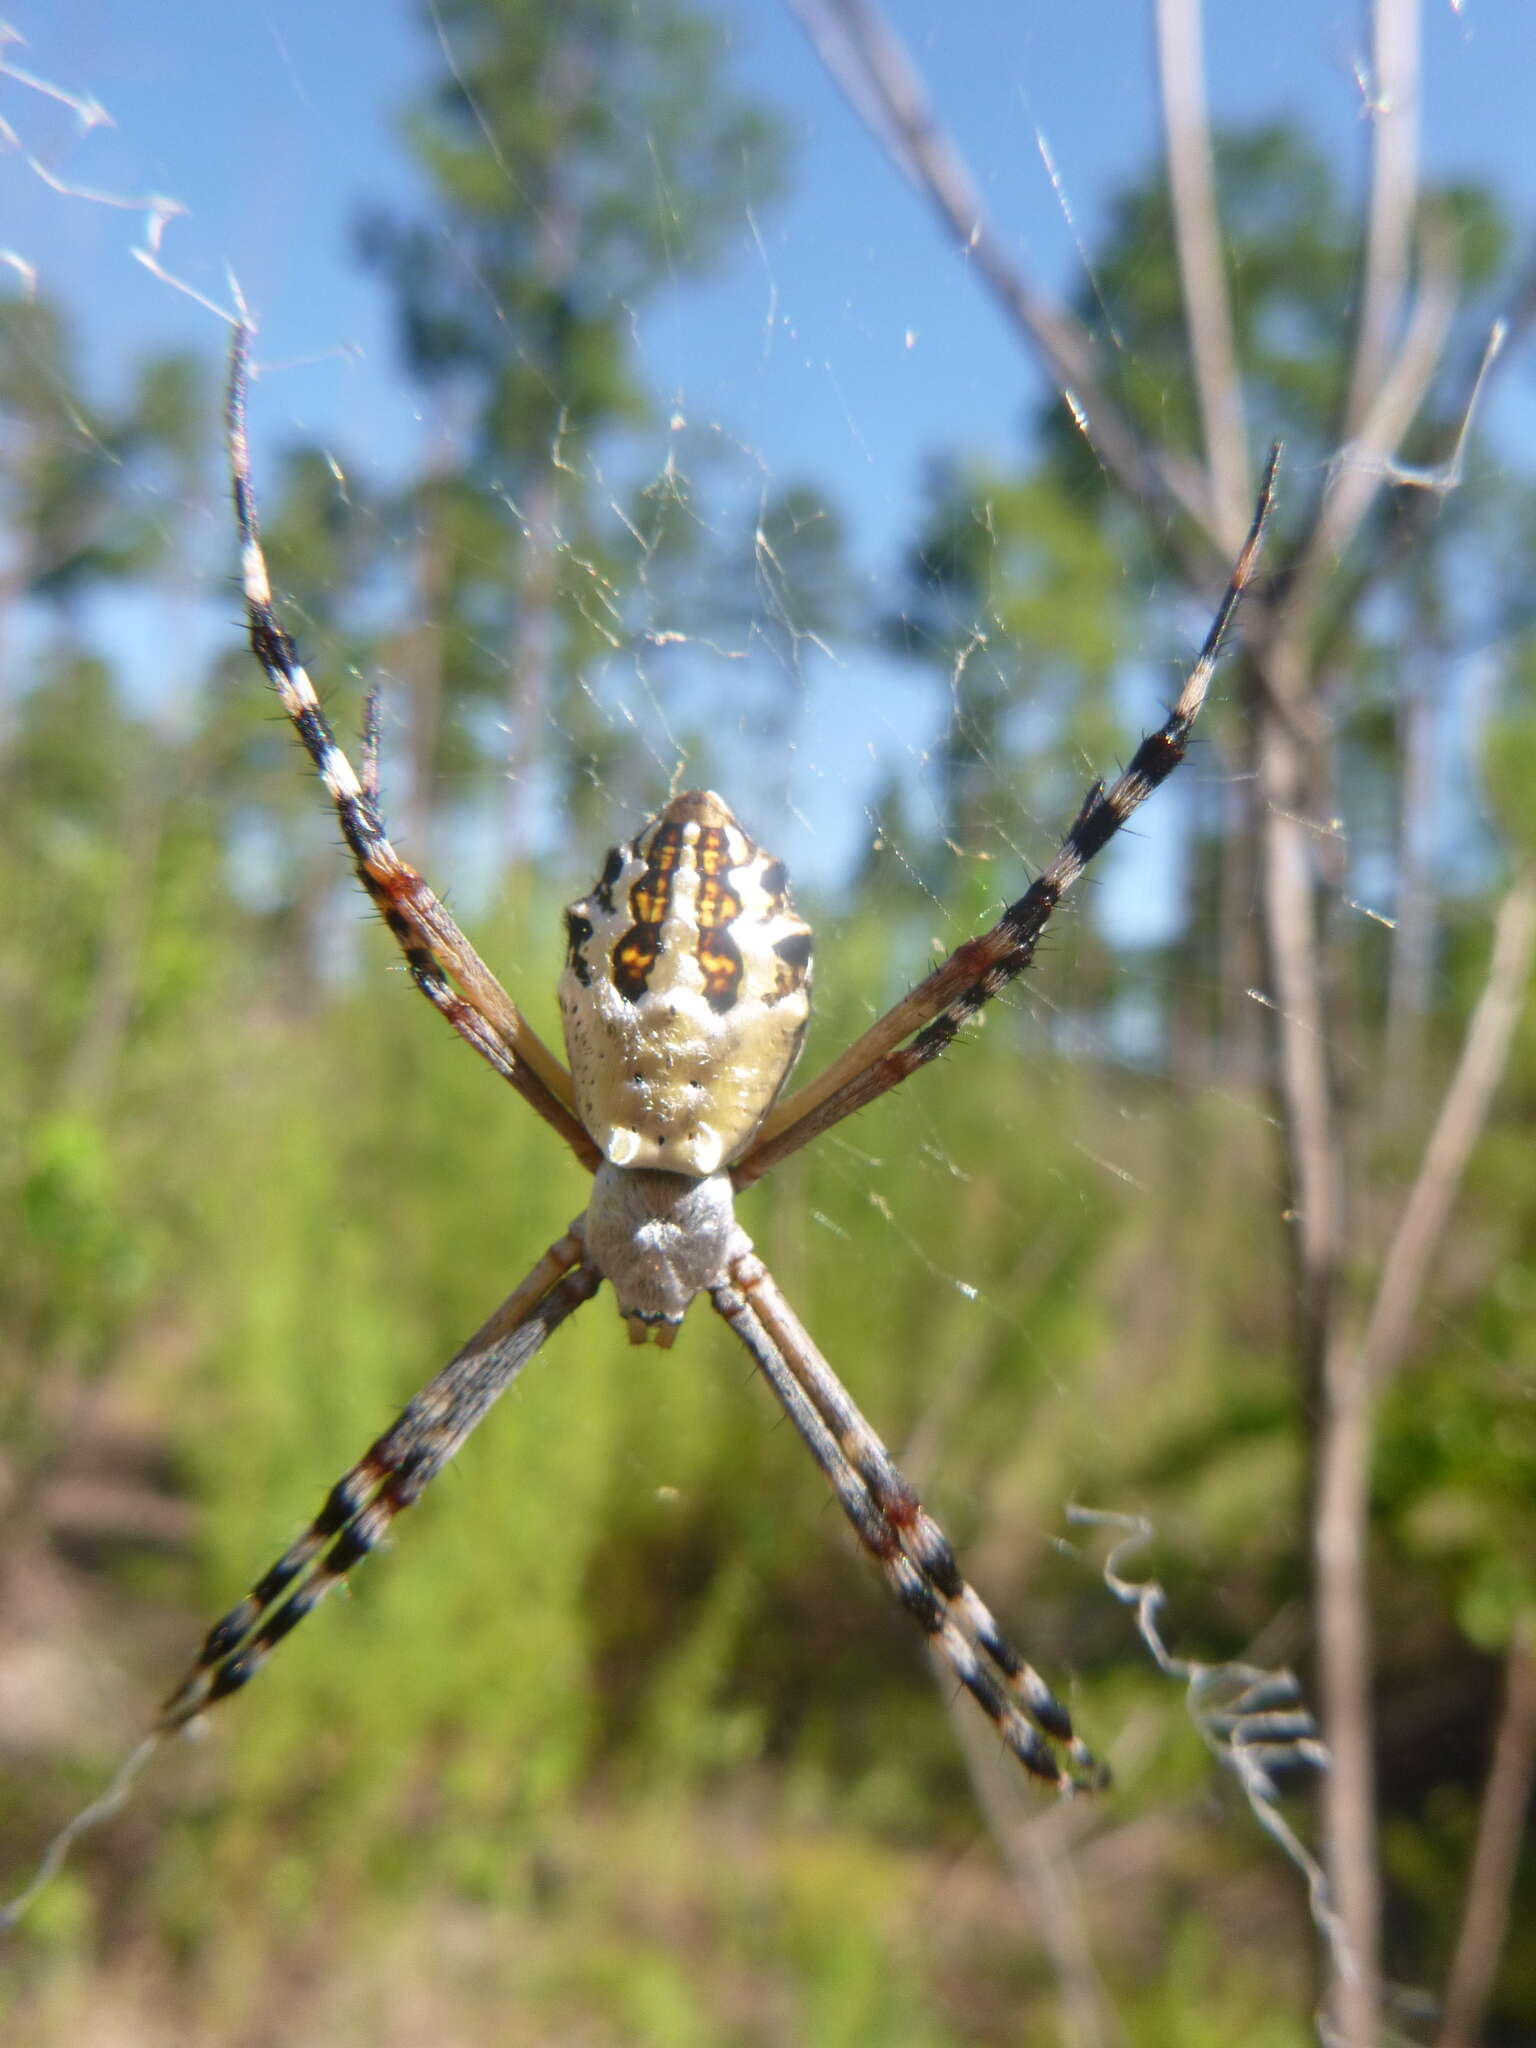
{"x":685,"y":998}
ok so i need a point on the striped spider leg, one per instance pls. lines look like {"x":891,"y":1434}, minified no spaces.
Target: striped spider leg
{"x":389,"y":1477}
{"x":684,"y":1000}
{"x":443,"y":964}
{"x":357,"y":1514}
{"x":925,"y":1023}
{"x":908,"y":1545}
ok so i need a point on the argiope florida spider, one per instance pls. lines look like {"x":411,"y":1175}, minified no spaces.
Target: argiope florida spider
{"x":685,"y":997}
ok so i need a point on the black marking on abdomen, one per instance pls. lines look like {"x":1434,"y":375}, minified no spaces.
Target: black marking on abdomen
{"x":633,"y":959}
{"x":613,"y":867}
{"x":636,"y":954}
{"x":578,"y":930}
{"x":651,"y":896}
{"x":717,"y":909}
{"x":720,"y":958}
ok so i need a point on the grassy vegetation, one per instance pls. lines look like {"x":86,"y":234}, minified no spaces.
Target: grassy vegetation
{"x":621,"y":1725}
{"x":621,"y":1742}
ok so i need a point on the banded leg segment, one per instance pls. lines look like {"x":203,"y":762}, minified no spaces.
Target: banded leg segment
{"x":925,"y":1023}
{"x":443,"y":963}
{"x":894,"y":1527}
{"x":390,"y":1477}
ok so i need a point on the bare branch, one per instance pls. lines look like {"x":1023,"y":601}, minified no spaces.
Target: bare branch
{"x":1392,"y":102}
{"x":1366,"y":461}
{"x":874,"y":73}
{"x":1485,"y":1917}
{"x":1303,"y":1081}
{"x":1286,"y":652}
{"x":1308,"y":1114}
{"x":1463,"y":1113}
{"x":1341,"y":1598}
{"x":1352,"y":1377}
{"x":1197,"y":238}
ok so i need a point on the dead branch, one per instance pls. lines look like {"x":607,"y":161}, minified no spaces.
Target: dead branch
{"x":1501,"y":1823}
{"x":1463,"y":1114}
{"x":1197,"y":239}
{"x":1392,"y":101}
{"x":872,"y":70}
{"x":1352,"y":1380}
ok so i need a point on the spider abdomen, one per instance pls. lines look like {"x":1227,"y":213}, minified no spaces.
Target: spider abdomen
{"x":686,"y":991}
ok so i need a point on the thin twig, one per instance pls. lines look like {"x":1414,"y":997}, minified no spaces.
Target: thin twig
{"x":1463,"y":1113}
{"x":1506,"y":1797}
{"x":1367,"y":460}
{"x":1341,"y":1602}
{"x":1290,"y":753}
{"x":1392,"y":102}
{"x":1309,"y":1112}
{"x":1308,"y":1115}
{"x":868,"y":63}
{"x":1353,"y":1376}
{"x":1197,"y":239}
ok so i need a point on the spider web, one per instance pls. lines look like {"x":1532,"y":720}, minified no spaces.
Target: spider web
{"x":827,"y":353}
{"x":837,"y":743}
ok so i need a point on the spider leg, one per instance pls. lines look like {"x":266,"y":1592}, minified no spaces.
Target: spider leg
{"x":936,"y":1010}
{"x":897,"y":1531}
{"x":389,"y":1477}
{"x":443,"y":963}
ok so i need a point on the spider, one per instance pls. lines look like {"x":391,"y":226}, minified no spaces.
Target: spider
{"x":685,"y":997}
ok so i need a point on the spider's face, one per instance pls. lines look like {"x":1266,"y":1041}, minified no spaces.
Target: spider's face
{"x":686,"y":991}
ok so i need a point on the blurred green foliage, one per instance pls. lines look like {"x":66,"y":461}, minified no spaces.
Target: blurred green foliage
{"x":621,"y":1719}
{"x":622,"y":1743}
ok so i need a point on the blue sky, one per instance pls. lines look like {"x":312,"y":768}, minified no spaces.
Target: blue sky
{"x":842,"y":338}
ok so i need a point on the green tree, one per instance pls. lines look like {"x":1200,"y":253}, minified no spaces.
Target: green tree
{"x":582,"y":159}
